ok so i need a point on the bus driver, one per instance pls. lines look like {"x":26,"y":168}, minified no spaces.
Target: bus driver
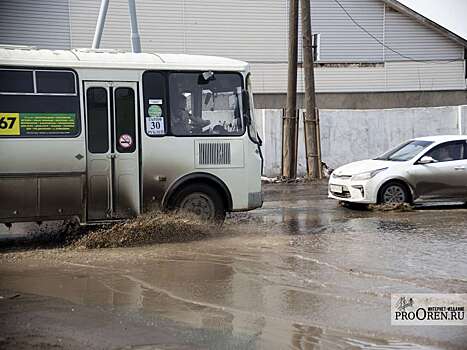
{"x":183,"y":122}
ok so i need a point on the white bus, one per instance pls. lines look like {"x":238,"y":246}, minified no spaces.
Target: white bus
{"x":105,"y":135}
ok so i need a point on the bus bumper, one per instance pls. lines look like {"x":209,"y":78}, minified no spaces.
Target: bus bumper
{"x":255,"y":200}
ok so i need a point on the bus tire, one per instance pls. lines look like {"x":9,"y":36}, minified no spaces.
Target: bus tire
{"x":201,"y":200}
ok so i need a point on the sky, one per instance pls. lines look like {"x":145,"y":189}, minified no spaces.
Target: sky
{"x":451,"y":14}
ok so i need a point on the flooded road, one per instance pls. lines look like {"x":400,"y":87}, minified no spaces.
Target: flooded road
{"x":300,"y":273}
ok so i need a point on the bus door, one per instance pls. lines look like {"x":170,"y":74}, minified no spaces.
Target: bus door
{"x":112,"y":150}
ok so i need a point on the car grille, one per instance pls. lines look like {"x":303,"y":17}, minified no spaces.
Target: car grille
{"x":344,"y":194}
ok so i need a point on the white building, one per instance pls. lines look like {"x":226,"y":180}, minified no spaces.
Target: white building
{"x":374,"y":53}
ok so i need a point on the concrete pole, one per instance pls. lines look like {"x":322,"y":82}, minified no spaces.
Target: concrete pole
{"x":96,"y":42}
{"x":459,"y":116}
{"x":135,"y":40}
{"x":311,"y":139}
{"x":289,"y":125}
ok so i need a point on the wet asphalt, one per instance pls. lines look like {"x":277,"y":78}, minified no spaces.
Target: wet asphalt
{"x":300,"y":273}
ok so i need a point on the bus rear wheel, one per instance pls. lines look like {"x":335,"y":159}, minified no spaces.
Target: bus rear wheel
{"x":202,"y":201}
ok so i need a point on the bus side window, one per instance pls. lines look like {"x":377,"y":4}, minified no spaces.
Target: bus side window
{"x":39,"y":103}
{"x":125,"y":116}
{"x":16,"y":81}
{"x":155,"y":106}
{"x":98,"y":123}
{"x":55,"y":82}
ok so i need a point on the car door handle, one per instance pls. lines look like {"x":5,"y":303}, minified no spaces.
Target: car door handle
{"x":459,"y":168}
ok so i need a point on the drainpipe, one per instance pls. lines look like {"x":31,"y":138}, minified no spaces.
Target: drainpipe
{"x":100,"y":24}
{"x":135,"y":40}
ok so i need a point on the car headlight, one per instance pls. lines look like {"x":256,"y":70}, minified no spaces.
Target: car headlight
{"x":366,"y":175}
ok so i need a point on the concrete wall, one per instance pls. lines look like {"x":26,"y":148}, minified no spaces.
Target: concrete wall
{"x":463,"y":119}
{"x":350,"y":135}
{"x":269,"y":124}
{"x":369,"y":100}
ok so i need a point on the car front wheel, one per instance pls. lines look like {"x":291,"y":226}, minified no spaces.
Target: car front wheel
{"x":394,"y":193}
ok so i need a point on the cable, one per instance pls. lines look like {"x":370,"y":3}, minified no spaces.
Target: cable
{"x":383,"y":44}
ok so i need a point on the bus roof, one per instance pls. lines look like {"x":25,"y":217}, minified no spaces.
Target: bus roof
{"x":110,"y":58}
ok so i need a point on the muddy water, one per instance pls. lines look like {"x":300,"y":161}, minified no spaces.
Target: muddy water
{"x":301,"y":273}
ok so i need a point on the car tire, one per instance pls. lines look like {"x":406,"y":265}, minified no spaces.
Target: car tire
{"x":201,"y":200}
{"x":394,"y":192}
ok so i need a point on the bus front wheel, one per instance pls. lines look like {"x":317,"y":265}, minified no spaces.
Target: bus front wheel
{"x":201,"y":200}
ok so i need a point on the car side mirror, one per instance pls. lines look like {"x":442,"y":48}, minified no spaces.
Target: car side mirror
{"x":426,"y":160}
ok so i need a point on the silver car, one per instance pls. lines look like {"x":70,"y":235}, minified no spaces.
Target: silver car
{"x":422,"y":169}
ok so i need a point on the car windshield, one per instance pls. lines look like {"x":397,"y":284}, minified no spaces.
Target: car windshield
{"x":406,"y":151}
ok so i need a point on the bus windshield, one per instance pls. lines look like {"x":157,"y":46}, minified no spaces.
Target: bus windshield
{"x":203,"y":104}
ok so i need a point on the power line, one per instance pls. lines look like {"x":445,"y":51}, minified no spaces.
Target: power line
{"x":382,"y":43}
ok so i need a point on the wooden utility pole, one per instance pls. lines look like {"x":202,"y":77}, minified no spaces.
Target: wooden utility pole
{"x":290,"y":125}
{"x":311,"y":138}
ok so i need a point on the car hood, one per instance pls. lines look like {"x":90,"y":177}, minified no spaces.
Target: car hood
{"x":361,"y":167}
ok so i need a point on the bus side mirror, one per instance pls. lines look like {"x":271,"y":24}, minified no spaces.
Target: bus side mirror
{"x":246,"y":106}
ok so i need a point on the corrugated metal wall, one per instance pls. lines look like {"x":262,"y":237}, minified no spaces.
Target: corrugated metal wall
{"x":403,"y":76}
{"x":249,"y":30}
{"x":42,"y":23}
{"x":410,"y":38}
{"x":350,"y":79}
{"x":255,"y":31}
{"x":272,"y":78}
{"x":342,"y":40}
{"x":83,"y":14}
{"x":392,"y":76}
{"x":244,"y":29}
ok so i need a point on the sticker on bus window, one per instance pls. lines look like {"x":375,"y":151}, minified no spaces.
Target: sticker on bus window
{"x":38,"y":124}
{"x":125,"y":141}
{"x":155,"y":125}
{"x":155,"y":111}
{"x":156,"y":101}
{"x":9,"y":124}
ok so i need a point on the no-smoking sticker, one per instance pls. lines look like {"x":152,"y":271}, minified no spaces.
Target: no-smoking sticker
{"x":125,"y":141}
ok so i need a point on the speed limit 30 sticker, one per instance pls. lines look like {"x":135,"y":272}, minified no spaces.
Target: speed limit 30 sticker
{"x":155,"y":125}
{"x":9,"y":124}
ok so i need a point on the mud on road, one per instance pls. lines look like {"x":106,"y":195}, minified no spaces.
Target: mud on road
{"x":300,"y":273}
